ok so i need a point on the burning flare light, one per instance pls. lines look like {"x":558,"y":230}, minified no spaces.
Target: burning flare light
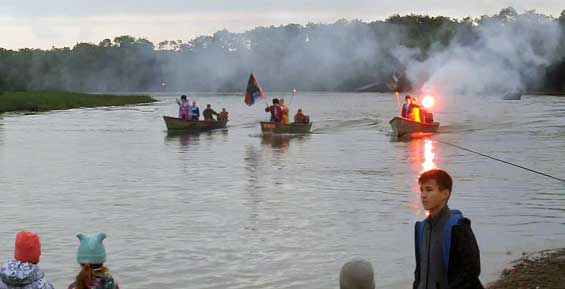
{"x":428,"y":101}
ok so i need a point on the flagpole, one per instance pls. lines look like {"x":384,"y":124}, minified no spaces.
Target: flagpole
{"x":397,"y":100}
{"x":292,"y":97}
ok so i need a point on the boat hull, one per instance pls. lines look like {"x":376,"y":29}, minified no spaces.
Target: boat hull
{"x":512,"y":96}
{"x":402,"y":126}
{"x":268,"y":127}
{"x":185,"y":125}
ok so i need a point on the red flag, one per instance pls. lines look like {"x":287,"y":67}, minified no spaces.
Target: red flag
{"x":253,"y":91}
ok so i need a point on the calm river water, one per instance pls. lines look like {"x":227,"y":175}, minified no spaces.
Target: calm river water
{"x":231,"y":209}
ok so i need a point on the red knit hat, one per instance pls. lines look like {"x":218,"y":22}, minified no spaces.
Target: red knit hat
{"x":28,"y":247}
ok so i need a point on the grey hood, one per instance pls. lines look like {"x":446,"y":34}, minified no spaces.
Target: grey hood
{"x":16,"y":274}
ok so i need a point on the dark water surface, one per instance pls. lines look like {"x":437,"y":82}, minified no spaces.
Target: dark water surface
{"x":231,"y":209}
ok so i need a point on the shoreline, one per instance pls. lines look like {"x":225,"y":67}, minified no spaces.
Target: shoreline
{"x":42,"y":101}
{"x":543,"y":269}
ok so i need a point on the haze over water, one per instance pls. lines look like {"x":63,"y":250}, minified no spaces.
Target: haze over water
{"x":231,"y":209}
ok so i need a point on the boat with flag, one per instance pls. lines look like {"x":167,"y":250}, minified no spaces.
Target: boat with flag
{"x":414,"y":118}
{"x":278,"y":124}
{"x":192,"y":126}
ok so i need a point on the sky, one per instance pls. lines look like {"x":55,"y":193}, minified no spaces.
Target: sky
{"x":63,"y":23}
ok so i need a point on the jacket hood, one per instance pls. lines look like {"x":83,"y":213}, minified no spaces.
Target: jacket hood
{"x":19,"y":274}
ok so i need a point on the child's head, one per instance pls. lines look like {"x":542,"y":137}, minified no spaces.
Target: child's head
{"x":183,"y":97}
{"x":435,"y":188}
{"x":357,"y":274}
{"x":27,"y":247}
{"x":91,"y":255}
{"x":91,"y":250}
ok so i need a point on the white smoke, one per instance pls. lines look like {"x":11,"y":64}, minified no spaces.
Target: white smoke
{"x":510,"y":53}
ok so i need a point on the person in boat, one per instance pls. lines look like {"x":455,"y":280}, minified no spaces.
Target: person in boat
{"x":209,"y":113}
{"x":22,"y":271}
{"x":447,"y":254}
{"x":284,"y":108}
{"x":91,"y":256}
{"x":184,"y":108}
{"x":301,"y":118}
{"x":223,"y":115}
{"x":194,"y":111}
{"x":414,"y":110}
{"x":276,"y":111}
{"x":357,"y":274}
{"x":405,"y":112}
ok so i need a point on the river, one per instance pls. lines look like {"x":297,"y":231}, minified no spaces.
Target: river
{"x":233,"y":209}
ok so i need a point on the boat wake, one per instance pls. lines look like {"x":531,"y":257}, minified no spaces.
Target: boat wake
{"x":333,"y":125}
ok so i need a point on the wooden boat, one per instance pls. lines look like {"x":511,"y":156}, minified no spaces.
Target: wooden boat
{"x":512,"y":96}
{"x":187,"y":125}
{"x":269,"y":127}
{"x":402,"y":126}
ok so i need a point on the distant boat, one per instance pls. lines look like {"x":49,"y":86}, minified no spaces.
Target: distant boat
{"x":269,"y":127}
{"x":402,"y":126}
{"x":188,"y":125}
{"x":512,"y":96}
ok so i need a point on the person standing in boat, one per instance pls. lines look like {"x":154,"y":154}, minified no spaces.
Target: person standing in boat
{"x":184,"y":107}
{"x":414,"y":110}
{"x":284,"y":108}
{"x":223,"y":115}
{"x":276,"y":111}
{"x":447,"y":254}
{"x":405,"y":112}
{"x":209,"y":113}
{"x":194,"y":111}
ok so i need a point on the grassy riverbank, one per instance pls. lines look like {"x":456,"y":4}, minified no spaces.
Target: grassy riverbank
{"x":54,"y":100}
{"x":543,"y":270}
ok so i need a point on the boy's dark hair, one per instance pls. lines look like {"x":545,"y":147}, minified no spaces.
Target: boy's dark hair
{"x":443,"y":179}
{"x":275,"y":100}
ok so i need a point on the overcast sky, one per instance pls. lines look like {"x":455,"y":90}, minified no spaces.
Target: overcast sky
{"x":59,"y":23}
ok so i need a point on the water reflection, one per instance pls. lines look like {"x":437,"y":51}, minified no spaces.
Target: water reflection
{"x":422,"y":158}
{"x":1,"y":131}
{"x":280,"y":142}
{"x":252,"y":161}
{"x":429,"y":156}
{"x":184,"y":139}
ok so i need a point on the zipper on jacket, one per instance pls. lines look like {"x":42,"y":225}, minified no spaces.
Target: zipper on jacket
{"x":429,"y":249}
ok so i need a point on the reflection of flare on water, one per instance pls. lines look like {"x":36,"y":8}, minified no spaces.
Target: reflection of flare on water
{"x":423,"y":158}
{"x":428,"y":163}
{"x":429,"y":156}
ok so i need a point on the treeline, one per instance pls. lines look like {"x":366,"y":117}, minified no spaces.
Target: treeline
{"x":345,"y":55}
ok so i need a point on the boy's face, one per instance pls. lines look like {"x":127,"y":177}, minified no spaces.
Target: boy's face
{"x":433,"y":198}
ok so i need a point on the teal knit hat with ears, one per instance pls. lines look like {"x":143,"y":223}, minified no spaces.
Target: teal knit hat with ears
{"x":91,"y":250}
